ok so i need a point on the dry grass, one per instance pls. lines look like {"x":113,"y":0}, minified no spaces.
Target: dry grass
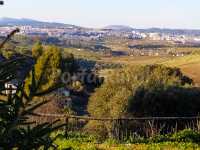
{"x":82,"y":53}
{"x":193,"y":71}
{"x":190,"y":65}
{"x":134,"y":60}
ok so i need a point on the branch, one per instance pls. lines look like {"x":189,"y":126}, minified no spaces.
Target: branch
{"x":9,"y":36}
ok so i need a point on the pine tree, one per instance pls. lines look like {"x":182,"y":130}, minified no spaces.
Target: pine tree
{"x":47,"y":70}
{"x":15,"y":130}
{"x":37,"y":50}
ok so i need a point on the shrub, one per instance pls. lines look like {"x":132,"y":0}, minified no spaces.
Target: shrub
{"x":75,"y":141}
{"x":152,"y":90}
{"x":165,"y":102}
{"x":47,"y":69}
{"x":186,"y":135}
{"x":118,"y":95}
{"x":16,"y":132}
{"x":37,"y":50}
{"x":97,"y":129}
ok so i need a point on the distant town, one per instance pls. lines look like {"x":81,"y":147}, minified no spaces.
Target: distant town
{"x":35,"y":28}
{"x":113,"y":40}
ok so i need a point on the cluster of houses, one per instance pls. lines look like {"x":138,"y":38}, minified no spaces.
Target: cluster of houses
{"x":72,"y":32}
{"x":157,"y":52}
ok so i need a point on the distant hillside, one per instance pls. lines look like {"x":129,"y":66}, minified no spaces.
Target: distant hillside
{"x":171,"y":31}
{"x":119,"y":28}
{"x":34,"y":23}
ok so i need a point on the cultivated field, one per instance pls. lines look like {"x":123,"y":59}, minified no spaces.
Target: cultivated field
{"x":190,"y":64}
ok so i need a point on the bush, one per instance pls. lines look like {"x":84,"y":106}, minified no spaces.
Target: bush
{"x":186,"y":135}
{"x":145,"y":91}
{"x":97,"y":129}
{"x":119,"y":96}
{"x":75,"y":141}
{"x":80,"y":141}
{"x":47,"y":69}
{"x":165,"y":102}
{"x":16,"y":131}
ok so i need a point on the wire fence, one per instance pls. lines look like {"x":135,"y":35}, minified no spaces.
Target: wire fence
{"x":122,"y":128}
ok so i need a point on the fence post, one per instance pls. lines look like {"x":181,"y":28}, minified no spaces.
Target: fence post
{"x":66,"y":126}
{"x":151,"y":125}
{"x":198,"y":125}
{"x":117,"y":130}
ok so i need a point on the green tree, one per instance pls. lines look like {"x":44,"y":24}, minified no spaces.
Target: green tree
{"x":152,"y":90}
{"x":9,"y":47}
{"x":8,"y":50}
{"x":68,"y":63}
{"x":117,"y":96}
{"x":16,"y":132}
{"x":37,"y":50}
{"x":47,"y":69}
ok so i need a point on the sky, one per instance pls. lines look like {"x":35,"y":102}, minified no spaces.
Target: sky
{"x":99,"y":13}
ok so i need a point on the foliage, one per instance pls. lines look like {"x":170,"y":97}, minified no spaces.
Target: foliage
{"x":68,"y":63}
{"x":82,"y":53}
{"x":121,"y":92}
{"x":8,"y":54}
{"x":79,"y":141}
{"x":8,"y":50}
{"x":97,"y":129}
{"x":9,"y":46}
{"x":75,"y":141}
{"x":186,"y":135}
{"x":15,"y":129}
{"x":47,"y":69}
{"x":37,"y":50}
{"x":147,"y":91}
{"x":111,"y":142}
{"x":161,"y":102}
{"x":166,"y":146}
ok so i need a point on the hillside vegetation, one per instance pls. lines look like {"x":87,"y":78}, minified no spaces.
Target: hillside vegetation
{"x":190,"y":65}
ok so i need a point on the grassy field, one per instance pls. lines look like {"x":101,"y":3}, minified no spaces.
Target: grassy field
{"x":193,"y":71}
{"x":121,"y":44}
{"x":82,"y":53}
{"x":134,"y":60}
{"x":184,"y":140}
{"x":160,"y":146}
{"x":190,"y":65}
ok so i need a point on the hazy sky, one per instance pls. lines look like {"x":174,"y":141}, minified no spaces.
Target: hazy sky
{"x":99,"y":13}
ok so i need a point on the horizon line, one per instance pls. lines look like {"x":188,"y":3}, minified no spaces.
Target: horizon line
{"x":93,"y":27}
